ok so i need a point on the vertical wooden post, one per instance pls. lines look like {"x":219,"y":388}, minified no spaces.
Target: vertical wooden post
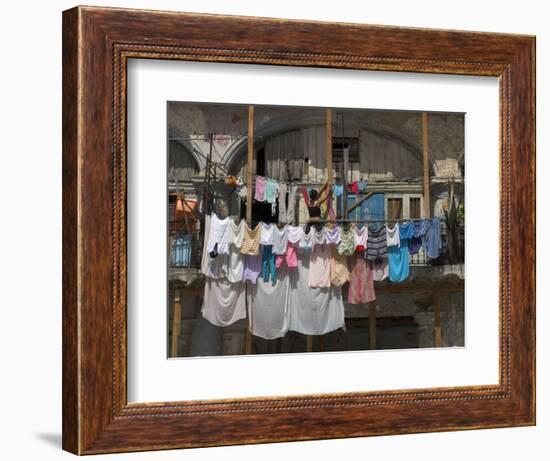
{"x":329,"y":147}
{"x":426,"y":166}
{"x":249,"y":185}
{"x":437,"y":320}
{"x":248,"y":334}
{"x":250,"y":164}
{"x":345,"y":182}
{"x":176,"y":324}
{"x":372,"y":326}
{"x":309,"y":343}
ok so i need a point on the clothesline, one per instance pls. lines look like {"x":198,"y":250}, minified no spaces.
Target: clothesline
{"x":361,"y":221}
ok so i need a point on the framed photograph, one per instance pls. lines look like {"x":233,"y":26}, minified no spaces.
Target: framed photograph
{"x":281,"y":230}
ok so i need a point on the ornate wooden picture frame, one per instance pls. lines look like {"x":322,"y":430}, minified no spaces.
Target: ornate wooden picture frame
{"x":97,"y":44}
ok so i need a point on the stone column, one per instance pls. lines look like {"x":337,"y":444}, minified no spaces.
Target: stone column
{"x":426,"y":331}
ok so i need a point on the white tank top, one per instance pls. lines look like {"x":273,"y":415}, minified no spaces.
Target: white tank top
{"x":280,"y":240}
{"x":295,"y":234}
{"x":266,"y":236}
{"x":392,"y":236}
{"x":360,"y":237}
{"x":307,"y":241}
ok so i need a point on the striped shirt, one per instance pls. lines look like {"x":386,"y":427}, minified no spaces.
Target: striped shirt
{"x":377,"y":247}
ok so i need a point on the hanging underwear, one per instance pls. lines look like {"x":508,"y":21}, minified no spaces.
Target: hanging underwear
{"x":319,"y":237}
{"x":252,"y":268}
{"x":332,"y":236}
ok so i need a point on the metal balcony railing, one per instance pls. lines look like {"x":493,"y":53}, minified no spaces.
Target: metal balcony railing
{"x":185,"y":247}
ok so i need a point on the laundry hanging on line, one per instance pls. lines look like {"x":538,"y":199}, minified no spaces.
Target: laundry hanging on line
{"x":261,"y":258}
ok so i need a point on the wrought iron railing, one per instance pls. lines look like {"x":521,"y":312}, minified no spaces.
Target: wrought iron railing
{"x":185,"y":247}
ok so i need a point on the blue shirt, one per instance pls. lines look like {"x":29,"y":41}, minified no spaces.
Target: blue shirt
{"x":406,"y":230}
{"x":432,"y":239}
{"x":398,"y":261}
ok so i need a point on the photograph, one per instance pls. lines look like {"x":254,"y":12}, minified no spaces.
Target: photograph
{"x":344,"y":233}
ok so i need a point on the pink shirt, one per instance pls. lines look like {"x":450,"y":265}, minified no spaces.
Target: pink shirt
{"x":259,"y":194}
{"x":290,"y":257}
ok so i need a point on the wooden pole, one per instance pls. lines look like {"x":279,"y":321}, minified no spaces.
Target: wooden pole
{"x":309,"y":343}
{"x":250,"y":164}
{"x":426,"y":166}
{"x":176,"y":324}
{"x":372,"y":326}
{"x":345,"y":182}
{"x":329,"y":147}
{"x":249,"y":184}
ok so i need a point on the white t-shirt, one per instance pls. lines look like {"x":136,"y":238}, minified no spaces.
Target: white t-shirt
{"x":212,"y":267}
{"x":234,"y":234}
{"x":218,"y":229}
